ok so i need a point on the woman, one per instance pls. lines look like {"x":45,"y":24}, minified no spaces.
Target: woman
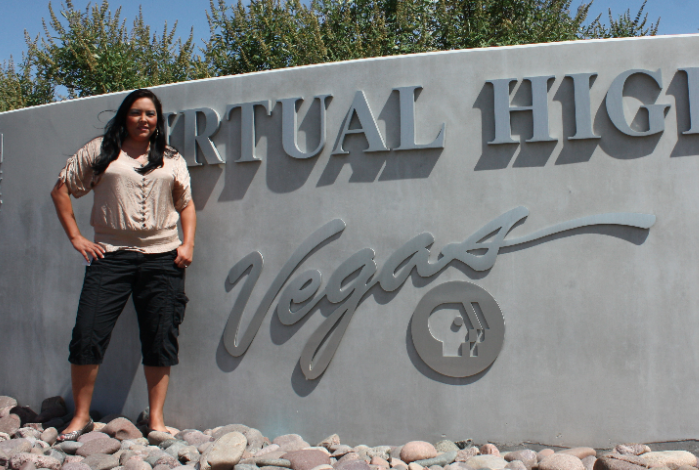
{"x":141,"y":188}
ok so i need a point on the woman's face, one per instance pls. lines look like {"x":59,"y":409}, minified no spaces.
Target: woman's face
{"x":141,"y":120}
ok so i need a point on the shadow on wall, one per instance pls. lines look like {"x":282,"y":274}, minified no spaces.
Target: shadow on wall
{"x":121,"y":363}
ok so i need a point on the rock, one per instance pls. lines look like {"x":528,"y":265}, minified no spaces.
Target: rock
{"x":493,"y":462}
{"x":464,"y":443}
{"x":610,"y":463}
{"x":589,"y":462}
{"x":99,"y":446}
{"x":243,"y":466}
{"x":263,"y":462}
{"x":92,"y":436}
{"x":184,"y":467}
{"x":60,"y":456}
{"x":69,"y":447}
{"x":164,"y":467}
{"x":122,"y":429}
{"x":7,"y":402}
{"x":49,"y":436}
{"x":306,"y":459}
{"x":136,"y":464}
{"x":355,"y":464}
{"x":75,"y":466}
{"x":223,"y":430}
{"x":340,"y":451}
{"x":10,"y":424}
{"x":415,"y":466}
{"x":349,"y":457}
{"x":101,"y":461}
{"x":39,"y":461}
{"x":157,"y":437}
{"x":489,"y":449}
{"x":516,"y":465}
{"x":290,"y":442}
{"x":154,"y":454}
{"x":458,"y":466}
{"x":166,"y":460}
{"x":224,"y":453}
{"x":561,"y":461}
{"x":395,"y":461}
{"x":632,"y":449}
{"x":446,"y":446}
{"x":441,"y":460}
{"x":465,"y":454}
{"x":194,"y":437}
{"x":382,"y":452}
{"x":255,"y":440}
{"x":330,"y":441}
{"x":526,"y":456}
{"x":25,"y":414}
{"x":27,"y":432}
{"x":73,"y":459}
{"x":379,"y":462}
{"x":188,"y":454}
{"x":319,"y":467}
{"x":435,"y":467}
{"x":204,"y":447}
{"x":669,"y":458}
{"x":543,"y":453}
{"x":14,"y":446}
{"x":272,"y":451}
{"x":580,"y":452}
{"x":417,"y":450}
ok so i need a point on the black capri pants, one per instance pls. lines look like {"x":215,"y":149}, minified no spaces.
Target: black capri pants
{"x":157,"y":285}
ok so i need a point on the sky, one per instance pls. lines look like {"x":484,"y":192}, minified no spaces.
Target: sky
{"x":676,"y":16}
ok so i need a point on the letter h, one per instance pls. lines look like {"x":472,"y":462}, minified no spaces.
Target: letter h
{"x":539,"y":109}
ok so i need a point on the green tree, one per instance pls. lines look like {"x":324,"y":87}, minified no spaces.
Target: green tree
{"x":21,"y":87}
{"x":94,"y":52}
{"x":270,"y":34}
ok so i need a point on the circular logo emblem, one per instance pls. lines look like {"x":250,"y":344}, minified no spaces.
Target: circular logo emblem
{"x":458,"y":329}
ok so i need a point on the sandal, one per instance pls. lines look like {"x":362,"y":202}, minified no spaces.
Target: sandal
{"x":73,"y":436}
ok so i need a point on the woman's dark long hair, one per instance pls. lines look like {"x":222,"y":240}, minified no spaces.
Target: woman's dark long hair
{"x":116,"y":133}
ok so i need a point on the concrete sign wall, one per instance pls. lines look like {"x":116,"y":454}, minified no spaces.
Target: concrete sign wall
{"x":497,"y":244}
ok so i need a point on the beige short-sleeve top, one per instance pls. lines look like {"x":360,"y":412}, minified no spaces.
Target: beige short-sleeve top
{"x":131,"y":211}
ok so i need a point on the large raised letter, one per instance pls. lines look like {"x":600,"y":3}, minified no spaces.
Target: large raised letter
{"x":615,"y":105}
{"x":406,"y":97}
{"x":583,"y":116}
{"x":693,"y":90}
{"x":247,"y":128}
{"x":193,"y":138}
{"x":290,"y":128}
{"x":539,"y":109}
{"x":367,"y":127}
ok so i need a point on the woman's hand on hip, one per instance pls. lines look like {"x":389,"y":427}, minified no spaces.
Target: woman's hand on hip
{"x":87,"y":248}
{"x":184,"y":256}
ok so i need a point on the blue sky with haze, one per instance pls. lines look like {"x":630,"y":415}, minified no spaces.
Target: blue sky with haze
{"x":677,"y":16}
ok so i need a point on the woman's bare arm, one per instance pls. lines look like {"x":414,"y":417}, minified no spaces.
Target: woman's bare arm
{"x":64,"y":209}
{"x":188,"y":219}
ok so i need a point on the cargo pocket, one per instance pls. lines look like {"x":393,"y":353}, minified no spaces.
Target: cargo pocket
{"x":180,"y":306}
